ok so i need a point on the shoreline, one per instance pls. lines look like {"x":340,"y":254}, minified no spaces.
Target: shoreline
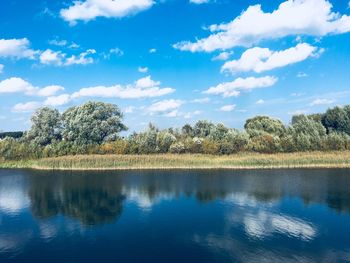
{"x":241,"y":161}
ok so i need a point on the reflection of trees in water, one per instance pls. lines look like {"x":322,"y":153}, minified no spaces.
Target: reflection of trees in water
{"x":90,"y":199}
{"x":98,"y":198}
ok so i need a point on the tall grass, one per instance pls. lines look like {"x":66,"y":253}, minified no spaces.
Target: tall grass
{"x":189,"y":161}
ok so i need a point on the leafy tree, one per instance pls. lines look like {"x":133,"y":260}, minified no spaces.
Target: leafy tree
{"x":164,"y":140}
{"x":260,"y":125}
{"x":187,"y":130}
{"x":218,"y":132}
{"x":203,"y":128}
{"x":337,"y":119}
{"x":307,"y":133}
{"x":46,"y":126}
{"x":147,"y":141}
{"x":15,"y":135}
{"x":92,"y":123}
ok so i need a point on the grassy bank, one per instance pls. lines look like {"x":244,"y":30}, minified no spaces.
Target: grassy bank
{"x":188,"y":161}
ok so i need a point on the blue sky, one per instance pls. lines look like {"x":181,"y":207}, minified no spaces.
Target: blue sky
{"x":173,"y":62}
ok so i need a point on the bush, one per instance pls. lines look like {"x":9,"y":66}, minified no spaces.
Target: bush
{"x":210,"y":147}
{"x":265,"y":144}
{"x":177,"y":147}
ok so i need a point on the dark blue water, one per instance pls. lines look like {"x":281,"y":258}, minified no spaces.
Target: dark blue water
{"x":175,"y":216}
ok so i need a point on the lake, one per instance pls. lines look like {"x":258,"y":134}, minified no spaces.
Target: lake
{"x":175,"y":216}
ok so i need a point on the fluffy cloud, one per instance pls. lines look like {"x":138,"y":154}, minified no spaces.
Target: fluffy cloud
{"x":142,"y":88}
{"x":262,"y":59}
{"x":18,"y":85}
{"x":321,"y":102}
{"x":293,"y":17}
{"x":16,"y":48}
{"x":49,"y":90}
{"x":81,"y":59}
{"x":201,"y":100}
{"x":116,"y":51}
{"x":58,"y":100}
{"x":90,"y":9}
{"x":261,"y":101}
{"x":167,"y":107}
{"x":26,"y":107}
{"x":152,"y":50}
{"x":56,"y":42}
{"x":198,"y":2}
{"x":234,"y":88}
{"x":57,"y":58}
{"x":227,"y":108}
{"x":223,"y":56}
{"x":49,"y":57}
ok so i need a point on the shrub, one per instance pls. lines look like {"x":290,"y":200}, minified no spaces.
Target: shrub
{"x":177,"y":147}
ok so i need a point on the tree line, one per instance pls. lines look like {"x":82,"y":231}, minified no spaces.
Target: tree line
{"x":94,"y":128}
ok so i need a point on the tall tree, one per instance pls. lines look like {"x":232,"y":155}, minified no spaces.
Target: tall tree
{"x":337,"y":119}
{"x":92,"y":123}
{"x":45,"y":126}
{"x":263,"y":124}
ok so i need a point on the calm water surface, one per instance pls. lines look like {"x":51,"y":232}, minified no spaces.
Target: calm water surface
{"x":175,"y":216}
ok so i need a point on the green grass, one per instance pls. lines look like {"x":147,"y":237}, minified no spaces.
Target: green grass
{"x":188,"y":161}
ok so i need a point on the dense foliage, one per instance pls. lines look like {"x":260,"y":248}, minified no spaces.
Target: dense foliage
{"x":94,"y":127}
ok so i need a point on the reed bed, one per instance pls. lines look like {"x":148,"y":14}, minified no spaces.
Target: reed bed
{"x":188,"y":161}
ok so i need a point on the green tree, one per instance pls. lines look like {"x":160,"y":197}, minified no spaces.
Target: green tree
{"x":203,"y":128}
{"x":92,"y":123}
{"x":337,"y":119}
{"x":46,"y":124}
{"x":164,"y":140}
{"x":261,"y":125}
{"x":187,"y":130}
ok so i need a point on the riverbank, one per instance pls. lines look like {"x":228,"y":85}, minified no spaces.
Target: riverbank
{"x":188,"y":161}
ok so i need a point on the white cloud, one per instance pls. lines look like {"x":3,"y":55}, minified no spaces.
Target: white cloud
{"x":143,"y":69}
{"x":201,"y":100}
{"x":152,"y":50}
{"x":262,"y":59}
{"x":56,"y":42}
{"x":321,"y":102}
{"x":1,"y":68}
{"x":172,"y":114}
{"x":260,"y":102}
{"x":223,"y":56}
{"x":73,"y":45}
{"x":18,"y":85}
{"x":49,"y":57}
{"x":234,"y":88}
{"x":90,"y":9}
{"x":142,"y":88}
{"x":16,"y":48}
{"x":167,"y":107}
{"x":82,"y":59}
{"x":198,"y":2}
{"x":301,"y":75}
{"x":26,"y":107}
{"x":117,"y":51}
{"x":190,"y":115}
{"x":58,"y":100}
{"x":49,"y":91}
{"x":57,"y":58}
{"x":292,"y":18}
{"x":227,"y":108}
